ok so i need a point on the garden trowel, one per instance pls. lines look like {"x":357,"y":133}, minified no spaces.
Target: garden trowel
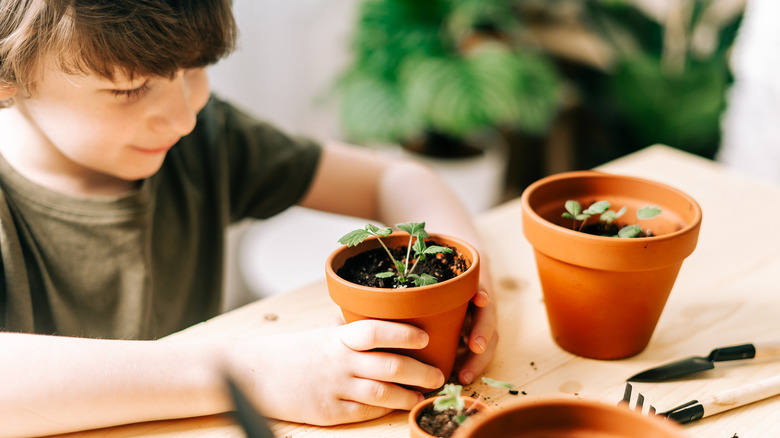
{"x":695,"y":364}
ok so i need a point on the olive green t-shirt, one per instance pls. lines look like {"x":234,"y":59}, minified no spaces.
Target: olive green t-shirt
{"x":150,"y":262}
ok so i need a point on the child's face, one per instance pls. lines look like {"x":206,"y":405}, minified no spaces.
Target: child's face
{"x":121,"y":129}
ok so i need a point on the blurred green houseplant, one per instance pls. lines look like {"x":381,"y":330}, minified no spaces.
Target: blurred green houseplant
{"x":443,"y":69}
{"x":671,"y":72}
{"x":664,"y":77}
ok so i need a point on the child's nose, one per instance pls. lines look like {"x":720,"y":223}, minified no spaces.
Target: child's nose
{"x":177,"y":112}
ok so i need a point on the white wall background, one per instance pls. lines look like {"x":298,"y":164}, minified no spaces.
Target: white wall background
{"x":751,"y":124}
{"x":288,"y":55}
{"x":289,"y":52}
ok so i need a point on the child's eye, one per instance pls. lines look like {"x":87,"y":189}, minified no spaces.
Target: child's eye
{"x":132,"y":94}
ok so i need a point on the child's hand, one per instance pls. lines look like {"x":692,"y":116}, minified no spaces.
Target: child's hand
{"x":480,"y":333}
{"x":327,"y":376}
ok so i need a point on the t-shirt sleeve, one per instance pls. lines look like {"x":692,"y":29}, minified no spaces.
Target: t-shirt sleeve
{"x":262,"y":170}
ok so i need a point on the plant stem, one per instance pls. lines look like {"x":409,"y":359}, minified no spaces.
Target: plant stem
{"x":395,"y":265}
{"x":414,"y":265}
{"x":473,"y":405}
{"x":407,"y":271}
{"x":582,"y":224}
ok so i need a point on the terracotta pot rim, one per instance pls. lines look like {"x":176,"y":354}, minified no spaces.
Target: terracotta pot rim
{"x":667,"y":428}
{"x":604,"y":240}
{"x":462,"y":245}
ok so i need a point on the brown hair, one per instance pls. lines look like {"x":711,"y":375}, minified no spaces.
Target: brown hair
{"x":135,"y":37}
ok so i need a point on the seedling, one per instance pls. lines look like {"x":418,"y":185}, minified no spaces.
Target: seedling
{"x":403,"y":272}
{"x":601,"y":208}
{"x":450,"y":398}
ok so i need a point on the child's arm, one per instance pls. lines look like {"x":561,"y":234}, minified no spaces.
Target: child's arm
{"x":358,"y":182}
{"x":59,"y":384}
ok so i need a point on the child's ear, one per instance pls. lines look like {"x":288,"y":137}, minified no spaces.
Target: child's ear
{"x":7,"y":91}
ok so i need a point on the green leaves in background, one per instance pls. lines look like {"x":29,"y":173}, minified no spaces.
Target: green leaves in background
{"x":411,"y":75}
{"x":492,"y":87}
{"x":682,"y":110}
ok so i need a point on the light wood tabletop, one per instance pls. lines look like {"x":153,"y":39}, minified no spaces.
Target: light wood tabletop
{"x":727,"y":293}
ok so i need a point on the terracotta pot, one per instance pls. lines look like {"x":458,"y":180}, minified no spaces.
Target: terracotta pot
{"x":439,"y":309}
{"x":414,"y":414}
{"x":567,"y":418}
{"x":604,"y":295}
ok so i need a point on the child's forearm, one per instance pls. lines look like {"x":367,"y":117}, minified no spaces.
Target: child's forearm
{"x":58,"y":384}
{"x":412,"y":192}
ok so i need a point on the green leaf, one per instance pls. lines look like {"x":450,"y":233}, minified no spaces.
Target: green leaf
{"x":399,"y":265}
{"x":419,"y":246}
{"x":597,"y":208}
{"x":573,"y":207}
{"x":449,"y":397}
{"x":610,"y":215}
{"x":436,"y":249}
{"x":386,"y":274}
{"x":498,"y":383}
{"x":630,"y":231}
{"x":373,"y":109}
{"x":421,"y":234}
{"x":489,"y":87}
{"x":376,"y":231}
{"x":423,"y":279}
{"x":354,"y":237}
{"x":648,"y":212}
{"x":412,"y":228}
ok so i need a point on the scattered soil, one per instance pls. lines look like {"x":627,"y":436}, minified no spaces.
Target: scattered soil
{"x":440,"y":424}
{"x":362,"y":268}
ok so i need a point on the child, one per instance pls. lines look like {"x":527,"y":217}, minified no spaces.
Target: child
{"x":118,"y":176}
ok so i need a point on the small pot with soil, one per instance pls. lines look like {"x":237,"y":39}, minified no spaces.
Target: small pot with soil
{"x":434,"y":296}
{"x":604,"y":294}
{"x":441,"y":416}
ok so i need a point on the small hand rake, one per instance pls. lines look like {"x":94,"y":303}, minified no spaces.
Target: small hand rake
{"x":638,"y":404}
{"x":694,"y":410}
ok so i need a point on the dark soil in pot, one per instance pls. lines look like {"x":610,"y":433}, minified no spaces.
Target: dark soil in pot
{"x":605,"y":229}
{"x":362,"y":268}
{"x":440,"y":424}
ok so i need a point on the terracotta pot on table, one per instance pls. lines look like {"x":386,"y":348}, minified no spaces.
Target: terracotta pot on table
{"x":439,"y":309}
{"x":604,"y":295}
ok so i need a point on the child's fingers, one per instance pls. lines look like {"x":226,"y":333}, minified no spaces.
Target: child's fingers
{"x":395,"y":368}
{"x":482,"y":297}
{"x":381,"y":394}
{"x":369,"y":334}
{"x":483,"y":328}
{"x":475,"y":364}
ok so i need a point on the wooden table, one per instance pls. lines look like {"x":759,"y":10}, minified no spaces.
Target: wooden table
{"x":727,"y":293}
